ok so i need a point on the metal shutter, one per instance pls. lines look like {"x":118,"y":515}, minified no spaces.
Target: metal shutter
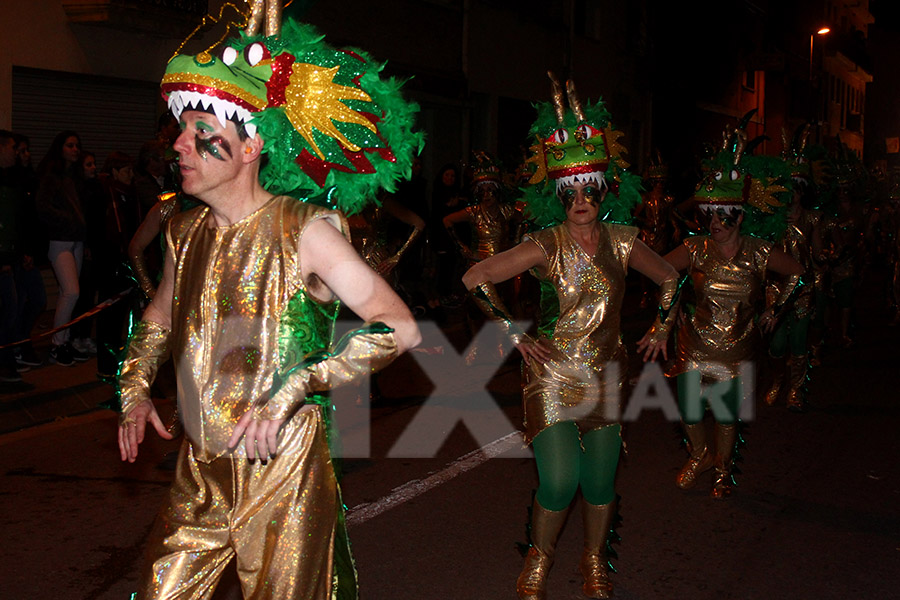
{"x":108,"y":113}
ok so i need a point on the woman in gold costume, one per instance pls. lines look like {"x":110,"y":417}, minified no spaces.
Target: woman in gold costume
{"x":574,"y":369}
{"x":490,"y":219}
{"x":727,"y":272}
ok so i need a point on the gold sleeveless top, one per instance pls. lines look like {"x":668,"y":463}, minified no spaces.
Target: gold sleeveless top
{"x":232,"y":286}
{"x":583,"y":380}
{"x":490,"y":234}
{"x":721,"y":333}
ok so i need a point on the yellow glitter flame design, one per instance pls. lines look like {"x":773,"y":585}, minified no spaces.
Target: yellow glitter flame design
{"x":614,"y":148}
{"x":537,"y":159}
{"x":313,"y":101}
{"x":763,"y":197}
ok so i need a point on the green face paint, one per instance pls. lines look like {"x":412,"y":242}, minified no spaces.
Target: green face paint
{"x":591,"y":195}
{"x":211,"y":145}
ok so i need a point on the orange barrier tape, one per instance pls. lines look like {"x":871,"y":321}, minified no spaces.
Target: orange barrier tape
{"x":89,"y":313}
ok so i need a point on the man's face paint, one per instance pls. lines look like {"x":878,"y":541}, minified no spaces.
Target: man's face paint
{"x":206,"y":143}
{"x":728,"y":215}
{"x":591,"y":194}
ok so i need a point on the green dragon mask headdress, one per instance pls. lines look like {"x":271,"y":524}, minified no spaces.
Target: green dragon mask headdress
{"x":737,"y":182}
{"x":578,"y":144}
{"x":329,"y":123}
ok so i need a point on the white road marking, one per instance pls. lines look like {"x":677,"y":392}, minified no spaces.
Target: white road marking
{"x":409,"y":490}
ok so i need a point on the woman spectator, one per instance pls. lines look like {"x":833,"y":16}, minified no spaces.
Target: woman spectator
{"x":92,"y":201}
{"x":61,"y":214}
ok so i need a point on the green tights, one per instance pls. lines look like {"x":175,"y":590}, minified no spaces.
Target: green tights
{"x":566,"y":461}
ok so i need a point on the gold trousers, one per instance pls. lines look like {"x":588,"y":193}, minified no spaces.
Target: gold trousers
{"x":277,"y":519}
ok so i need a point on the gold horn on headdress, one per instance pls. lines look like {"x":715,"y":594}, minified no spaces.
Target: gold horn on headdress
{"x":574,"y":102}
{"x":271,"y":9}
{"x":739,"y":144}
{"x":804,"y":139}
{"x":557,"y":95}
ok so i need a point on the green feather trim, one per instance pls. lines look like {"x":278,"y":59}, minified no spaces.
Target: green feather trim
{"x":352,"y":190}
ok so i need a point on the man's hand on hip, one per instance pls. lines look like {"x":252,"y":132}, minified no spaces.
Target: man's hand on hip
{"x":261,"y":436}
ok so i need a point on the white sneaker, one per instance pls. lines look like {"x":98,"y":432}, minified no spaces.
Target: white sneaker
{"x":85,"y":345}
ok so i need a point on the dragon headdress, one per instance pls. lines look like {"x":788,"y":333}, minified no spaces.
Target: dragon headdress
{"x":331,"y":126}
{"x":578,"y":143}
{"x":736,"y":181}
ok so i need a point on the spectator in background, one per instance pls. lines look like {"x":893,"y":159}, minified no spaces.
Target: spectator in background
{"x":446,"y":198}
{"x":151,"y":176}
{"x":9,"y":213}
{"x":122,"y":217}
{"x":93,"y":203}
{"x":61,"y":214}
{"x":32,"y":295}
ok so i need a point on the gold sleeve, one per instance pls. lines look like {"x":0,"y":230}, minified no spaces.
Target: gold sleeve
{"x":359,"y":353}
{"x":148,"y":347}
{"x":488,"y":300}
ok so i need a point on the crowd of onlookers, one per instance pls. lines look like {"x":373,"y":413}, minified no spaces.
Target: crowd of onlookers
{"x":80,"y":220}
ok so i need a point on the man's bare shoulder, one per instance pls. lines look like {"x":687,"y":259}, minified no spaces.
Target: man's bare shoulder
{"x":296,"y":215}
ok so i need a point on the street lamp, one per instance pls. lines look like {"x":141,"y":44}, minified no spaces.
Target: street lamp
{"x":812,"y":37}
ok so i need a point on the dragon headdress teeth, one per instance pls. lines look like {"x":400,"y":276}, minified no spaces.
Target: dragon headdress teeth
{"x":331,"y":126}
{"x":577,"y":144}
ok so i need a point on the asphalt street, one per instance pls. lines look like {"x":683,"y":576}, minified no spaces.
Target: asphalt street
{"x":437,"y":485}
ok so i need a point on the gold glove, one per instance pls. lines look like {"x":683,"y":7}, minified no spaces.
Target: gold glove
{"x":359,"y":353}
{"x":409,"y":241}
{"x":669,"y":291}
{"x":148,"y":347}
{"x":792,"y":286}
{"x":488,"y":300}
{"x":139,"y":269}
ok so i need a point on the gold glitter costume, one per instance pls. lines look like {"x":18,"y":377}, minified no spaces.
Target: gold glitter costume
{"x":233,"y":287}
{"x":490,"y":233}
{"x":655,"y":211}
{"x":580,"y":382}
{"x":368,"y":232}
{"x":797,"y":242}
{"x":721,"y":333}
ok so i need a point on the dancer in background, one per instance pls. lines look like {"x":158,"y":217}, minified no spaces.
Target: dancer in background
{"x":727,"y":271}
{"x":575,"y":367}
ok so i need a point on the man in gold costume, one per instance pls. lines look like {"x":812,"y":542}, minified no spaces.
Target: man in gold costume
{"x":251,"y":286}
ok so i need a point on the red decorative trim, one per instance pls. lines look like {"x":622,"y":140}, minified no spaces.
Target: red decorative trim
{"x":579,"y":170}
{"x":282,"y":67}
{"x":168,"y":88}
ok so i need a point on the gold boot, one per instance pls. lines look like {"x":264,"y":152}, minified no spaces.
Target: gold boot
{"x":597,"y":520}
{"x":778,"y":369}
{"x":796,"y":398}
{"x":725,"y":436}
{"x":701,"y":459}
{"x":545,"y":528}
